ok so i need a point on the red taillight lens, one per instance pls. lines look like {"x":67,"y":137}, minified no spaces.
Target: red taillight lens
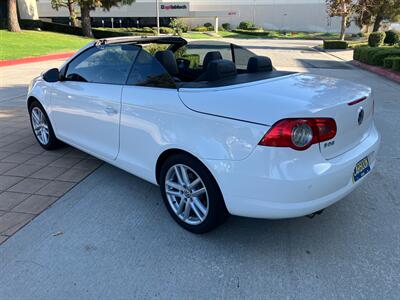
{"x":299,"y":134}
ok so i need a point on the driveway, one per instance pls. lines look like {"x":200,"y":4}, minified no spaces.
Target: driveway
{"x":110,"y":237}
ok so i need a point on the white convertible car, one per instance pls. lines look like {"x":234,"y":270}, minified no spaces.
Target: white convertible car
{"x":214,"y":125}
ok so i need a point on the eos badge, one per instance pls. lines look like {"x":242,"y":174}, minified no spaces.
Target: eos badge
{"x":329,"y":144}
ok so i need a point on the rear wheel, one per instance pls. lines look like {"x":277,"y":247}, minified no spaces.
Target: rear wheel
{"x":42,"y":128}
{"x":191,"y":194}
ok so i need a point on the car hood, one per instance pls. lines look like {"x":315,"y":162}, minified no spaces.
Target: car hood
{"x":267,"y":101}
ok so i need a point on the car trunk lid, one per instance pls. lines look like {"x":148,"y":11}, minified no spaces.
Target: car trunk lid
{"x":293,"y":96}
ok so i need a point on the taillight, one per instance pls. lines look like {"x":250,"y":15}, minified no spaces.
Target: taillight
{"x":299,"y":134}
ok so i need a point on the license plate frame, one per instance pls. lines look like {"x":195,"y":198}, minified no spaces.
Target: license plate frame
{"x":361,"y":169}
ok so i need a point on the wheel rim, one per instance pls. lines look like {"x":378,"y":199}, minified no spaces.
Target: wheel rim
{"x":40,"y":126}
{"x":187,"y":194}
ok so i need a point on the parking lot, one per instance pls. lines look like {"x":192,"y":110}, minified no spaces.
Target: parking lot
{"x":109,"y":236}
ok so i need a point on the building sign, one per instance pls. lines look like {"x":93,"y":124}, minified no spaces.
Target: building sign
{"x":173,"y":6}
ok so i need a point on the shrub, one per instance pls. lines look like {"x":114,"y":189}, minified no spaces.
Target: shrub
{"x":246,"y":25}
{"x":153,"y":48}
{"x":147,"y":29}
{"x":194,"y":60}
{"x":179,"y":26}
{"x":364,"y":54}
{"x":353,"y":45}
{"x":392,"y":37}
{"x":388,"y":61}
{"x":200,"y":29}
{"x":396,"y":64}
{"x":166,"y":30}
{"x":209,"y":26}
{"x":356,"y":53}
{"x":376,"y":39}
{"x":252,"y":32}
{"x":335,"y":44}
{"x":226,"y":26}
{"x":378,"y":57}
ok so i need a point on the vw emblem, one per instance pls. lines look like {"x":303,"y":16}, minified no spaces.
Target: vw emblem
{"x":360,"y":118}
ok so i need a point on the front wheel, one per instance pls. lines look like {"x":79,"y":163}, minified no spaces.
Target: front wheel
{"x":191,"y":194}
{"x":42,"y":128}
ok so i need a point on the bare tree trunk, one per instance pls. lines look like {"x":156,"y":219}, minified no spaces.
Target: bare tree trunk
{"x":72,"y":16}
{"x":86,"y":25}
{"x":13,"y":24}
{"x":343,"y":26}
{"x":377,"y":23}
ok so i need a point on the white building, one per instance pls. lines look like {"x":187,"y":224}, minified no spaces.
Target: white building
{"x":290,"y":15}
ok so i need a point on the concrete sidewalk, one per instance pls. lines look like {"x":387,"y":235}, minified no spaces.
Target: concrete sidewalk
{"x":31,"y":179}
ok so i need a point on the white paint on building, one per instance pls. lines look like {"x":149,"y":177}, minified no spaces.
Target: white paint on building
{"x":290,"y":15}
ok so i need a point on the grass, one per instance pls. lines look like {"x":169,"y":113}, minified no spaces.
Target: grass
{"x":30,"y":43}
{"x":197,"y":35}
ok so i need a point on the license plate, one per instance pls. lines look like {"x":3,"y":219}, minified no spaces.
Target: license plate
{"x":361,"y":169}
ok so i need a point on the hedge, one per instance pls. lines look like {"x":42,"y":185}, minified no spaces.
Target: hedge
{"x":364,"y":54}
{"x":226,"y":26}
{"x":62,"y":28}
{"x":388,"y":61}
{"x":252,"y":32}
{"x":378,"y":57}
{"x":194,"y":60}
{"x":392,"y":37}
{"x":396,"y":64}
{"x":246,"y":25}
{"x":376,"y":39}
{"x":335,"y":44}
{"x":200,"y":29}
{"x":166,"y":30}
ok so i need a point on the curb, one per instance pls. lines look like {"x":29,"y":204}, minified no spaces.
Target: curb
{"x":6,"y":63}
{"x":378,"y":70}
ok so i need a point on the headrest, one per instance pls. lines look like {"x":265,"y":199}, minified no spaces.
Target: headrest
{"x":167,"y":59}
{"x":259,"y":64}
{"x":210,"y":56}
{"x":219,"y":69}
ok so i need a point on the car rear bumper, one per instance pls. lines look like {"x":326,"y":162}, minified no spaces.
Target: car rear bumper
{"x":278,"y":183}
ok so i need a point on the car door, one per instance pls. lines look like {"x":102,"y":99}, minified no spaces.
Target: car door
{"x":149,"y":102}
{"x":86,"y":104}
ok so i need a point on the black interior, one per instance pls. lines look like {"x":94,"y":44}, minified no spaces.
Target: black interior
{"x":168,"y":61}
{"x":259,"y":64}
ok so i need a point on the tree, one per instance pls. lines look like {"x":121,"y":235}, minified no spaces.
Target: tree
{"x":12,"y":18}
{"x":363,"y":16}
{"x":88,"y":5}
{"x":343,"y":9}
{"x":373,"y":12}
{"x":70,"y":4}
{"x":384,"y":9}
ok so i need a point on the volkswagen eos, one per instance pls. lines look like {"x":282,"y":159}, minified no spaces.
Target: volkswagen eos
{"x":218,"y":128}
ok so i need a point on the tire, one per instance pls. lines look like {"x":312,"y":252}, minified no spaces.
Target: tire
{"x":38,"y":115}
{"x":196,"y":209}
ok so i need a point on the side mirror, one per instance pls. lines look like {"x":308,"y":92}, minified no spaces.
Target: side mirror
{"x":52,"y":75}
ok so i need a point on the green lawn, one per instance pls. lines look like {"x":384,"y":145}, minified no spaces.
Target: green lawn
{"x":197,"y":35}
{"x":34,"y":43}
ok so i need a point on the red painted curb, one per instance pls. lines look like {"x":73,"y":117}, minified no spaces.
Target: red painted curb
{"x":6,"y":63}
{"x":378,"y":70}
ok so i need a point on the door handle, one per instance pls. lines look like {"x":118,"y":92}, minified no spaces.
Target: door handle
{"x":110,"y":110}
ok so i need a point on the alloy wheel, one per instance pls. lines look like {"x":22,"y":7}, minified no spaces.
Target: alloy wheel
{"x":40,"y":126}
{"x":187,"y":194}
